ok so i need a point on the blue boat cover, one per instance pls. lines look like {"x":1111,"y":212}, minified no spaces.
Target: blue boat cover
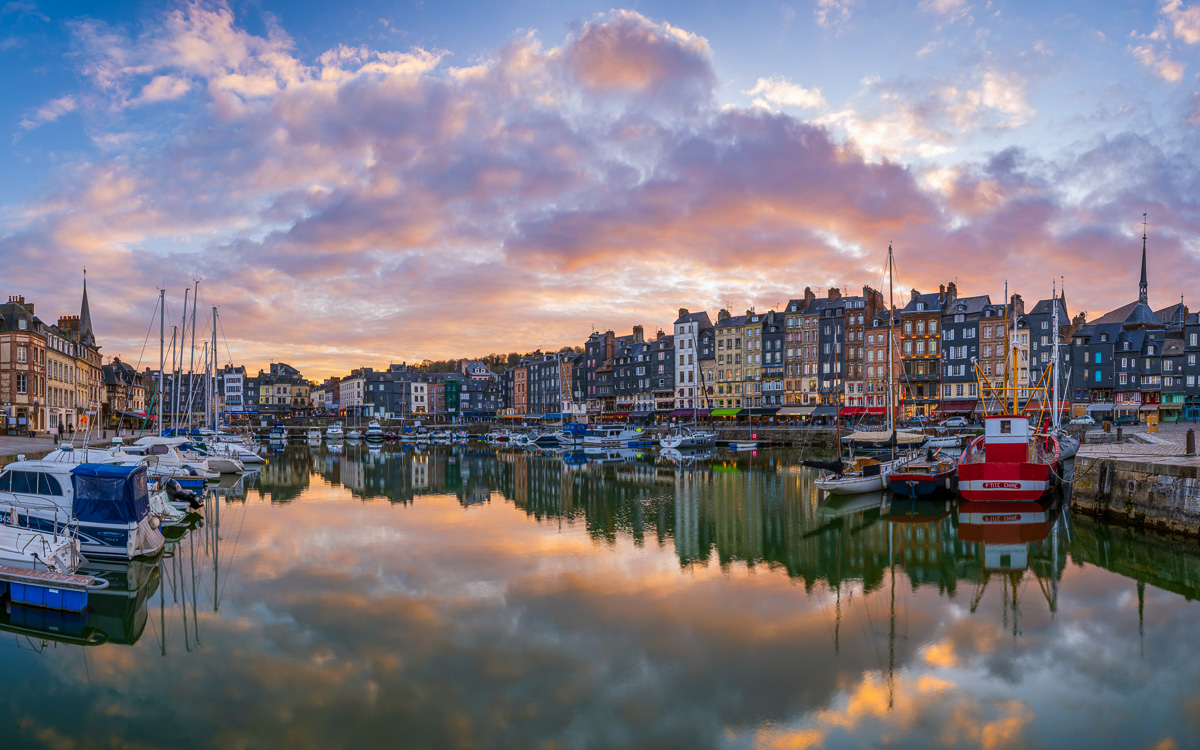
{"x":108,"y":493}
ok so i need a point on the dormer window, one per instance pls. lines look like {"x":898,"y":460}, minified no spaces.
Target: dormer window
{"x":959,"y":318}
{"x":1126,"y":343}
{"x":920,"y":307}
{"x":1150,"y":349}
{"x":1103,"y":337}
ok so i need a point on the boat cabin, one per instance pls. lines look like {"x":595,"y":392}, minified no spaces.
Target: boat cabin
{"x":1006,"y":438}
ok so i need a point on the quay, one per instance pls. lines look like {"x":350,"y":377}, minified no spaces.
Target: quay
{"x":1149,"y":482}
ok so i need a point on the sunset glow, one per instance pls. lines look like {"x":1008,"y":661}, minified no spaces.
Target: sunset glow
{"x":380,"y":182}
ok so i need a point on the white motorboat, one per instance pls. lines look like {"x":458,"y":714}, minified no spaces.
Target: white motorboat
{"x":25,"y":548}
{"x":612,"y":436}
{"x":334,"y":432}
{"x":743,"y":445}
{"x":313,"y":435}
{"x":683,"y":438}
{"x":354,"y":435}
{"x":107,"y":503}
{"x":374,"y":433}
{"x":164,"y":458}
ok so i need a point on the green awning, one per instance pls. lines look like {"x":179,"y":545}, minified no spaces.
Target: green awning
{"x":724,"y":412}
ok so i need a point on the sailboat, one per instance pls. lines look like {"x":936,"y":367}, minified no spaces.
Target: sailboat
{"x":869,"y":474}
{"x":1068,"y":444}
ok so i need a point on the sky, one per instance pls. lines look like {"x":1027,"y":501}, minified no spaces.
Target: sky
{"x":361,"y":183}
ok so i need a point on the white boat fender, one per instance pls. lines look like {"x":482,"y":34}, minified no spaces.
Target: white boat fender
{"x":98,"y":584}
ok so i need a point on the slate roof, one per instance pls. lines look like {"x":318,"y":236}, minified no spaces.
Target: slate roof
{"x":969,"y":305}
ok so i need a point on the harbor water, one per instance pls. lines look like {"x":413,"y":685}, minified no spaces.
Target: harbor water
{"x":468,"y":597}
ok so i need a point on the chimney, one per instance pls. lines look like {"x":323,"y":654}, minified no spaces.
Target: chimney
{"x":722,"y":315}
{"x":834,"y":293}
{"x":809,"y":297}
{"x":913,"y":295}
{"x":942,"y":292}
{"x":1017,"y":305}
{"x":637,"y":334}
{"x":683,"y":311}
{"x":951,"y":292}
{"x":1080,"y":319}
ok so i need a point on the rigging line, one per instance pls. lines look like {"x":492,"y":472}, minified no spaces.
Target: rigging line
{"x":147,"y":339}
{"x":221,"y":325}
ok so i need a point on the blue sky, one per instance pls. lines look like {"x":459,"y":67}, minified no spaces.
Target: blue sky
{"x":568,"y":165}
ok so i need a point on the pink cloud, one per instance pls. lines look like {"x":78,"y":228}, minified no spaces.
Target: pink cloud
{"x":372,"y":206}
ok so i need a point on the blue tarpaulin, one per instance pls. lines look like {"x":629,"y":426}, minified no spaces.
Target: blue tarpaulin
{"x":108,"y":493}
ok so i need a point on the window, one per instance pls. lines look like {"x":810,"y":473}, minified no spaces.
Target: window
{"x":908,"y":326}
{"x":22,"y":383}
{"x":1097,"y":357}
{"x":1097,"y":376}
{"x":21,"y":353}
{"x":1124,"y":379}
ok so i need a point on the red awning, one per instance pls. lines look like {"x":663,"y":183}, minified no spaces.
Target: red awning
{"x":876,"y":410}
{"x":851,"y":411}
{"x":956,"y":407}
{"x":617,"y":414}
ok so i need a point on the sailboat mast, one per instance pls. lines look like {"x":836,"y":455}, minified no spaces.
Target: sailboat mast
{"x":891,"y":416}
{"x":192,"y":362}
{"x":1054,"y":417}
{"x":1012,"y":317}
{"x":213,"y":381}
{"x":162,"y":351}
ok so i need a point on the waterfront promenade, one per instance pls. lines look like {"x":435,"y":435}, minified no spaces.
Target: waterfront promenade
{"x":31,"y":446}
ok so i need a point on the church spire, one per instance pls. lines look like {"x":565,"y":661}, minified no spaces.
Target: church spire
{"x":85,"y":316}
{"x":1142,"y":288}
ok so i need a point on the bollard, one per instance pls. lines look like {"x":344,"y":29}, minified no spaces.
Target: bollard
{"x":1191,"y":442}
{"x":1119,"y":433}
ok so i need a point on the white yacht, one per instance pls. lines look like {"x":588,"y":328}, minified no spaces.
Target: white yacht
{"x":334,"y":432}
{"x":374,"y":432}
{"x":684,"y":437}
{"x":108,"y":504}
{"x":164,"y":458}
{"x":614,"y":436}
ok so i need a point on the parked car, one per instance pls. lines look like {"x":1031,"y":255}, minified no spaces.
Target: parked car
{"x":1085,"y":419}
{"x":956,"y":422}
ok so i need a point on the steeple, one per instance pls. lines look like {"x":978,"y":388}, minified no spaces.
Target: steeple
{"x":85,"y":317}
{"x":1142,"y":288}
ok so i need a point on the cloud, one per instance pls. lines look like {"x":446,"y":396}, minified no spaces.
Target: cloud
{"x":929,"y":118}
{"x":780,"y":92}
{"x":627,"y":54}
{"x":162,"y":88}
{"x":1162,"y":65}
{"x":832,"y":13}
{"x":1185,"y":20}
{"x":50,"y":112}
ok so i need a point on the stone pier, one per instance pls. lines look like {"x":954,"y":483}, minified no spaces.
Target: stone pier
{"x":1150,"y":483}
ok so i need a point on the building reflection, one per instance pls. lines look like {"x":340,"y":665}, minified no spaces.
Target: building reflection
{"x":751,"y":510}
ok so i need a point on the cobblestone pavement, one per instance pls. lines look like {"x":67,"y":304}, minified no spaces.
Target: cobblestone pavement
{"x":12,"y":446}
{"x":1168,"y":443}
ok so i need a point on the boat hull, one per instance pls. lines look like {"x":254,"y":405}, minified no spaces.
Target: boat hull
{"x":1005,"y":482}
{"x":920,"y":485}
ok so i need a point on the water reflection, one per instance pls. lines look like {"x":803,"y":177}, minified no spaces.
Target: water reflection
{"x":465,"y":596}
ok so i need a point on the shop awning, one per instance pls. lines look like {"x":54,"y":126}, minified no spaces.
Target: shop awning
{"x":876,"y":410}
{"x":1127,"y":407}
{"x":797,"y":411}
{"x":1169,"y":405}
{"x":1093,"y":408}
{"x":641,"y":414}
{"x":688,"y":413}
{"x":724,"y":412}
{"x":1149,"y":407}
{"x":617,"y":414}
{"x":551,"y":416}
{"x":956,"y":407}
{"x":763,"y":411}
{"x":825,"y":411}
{"x":851,"y":411}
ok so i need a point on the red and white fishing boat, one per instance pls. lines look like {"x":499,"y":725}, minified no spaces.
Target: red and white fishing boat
{"x":1011,"y":461}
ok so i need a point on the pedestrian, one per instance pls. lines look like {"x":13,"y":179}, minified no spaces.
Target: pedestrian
{"x":60,"y":432}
